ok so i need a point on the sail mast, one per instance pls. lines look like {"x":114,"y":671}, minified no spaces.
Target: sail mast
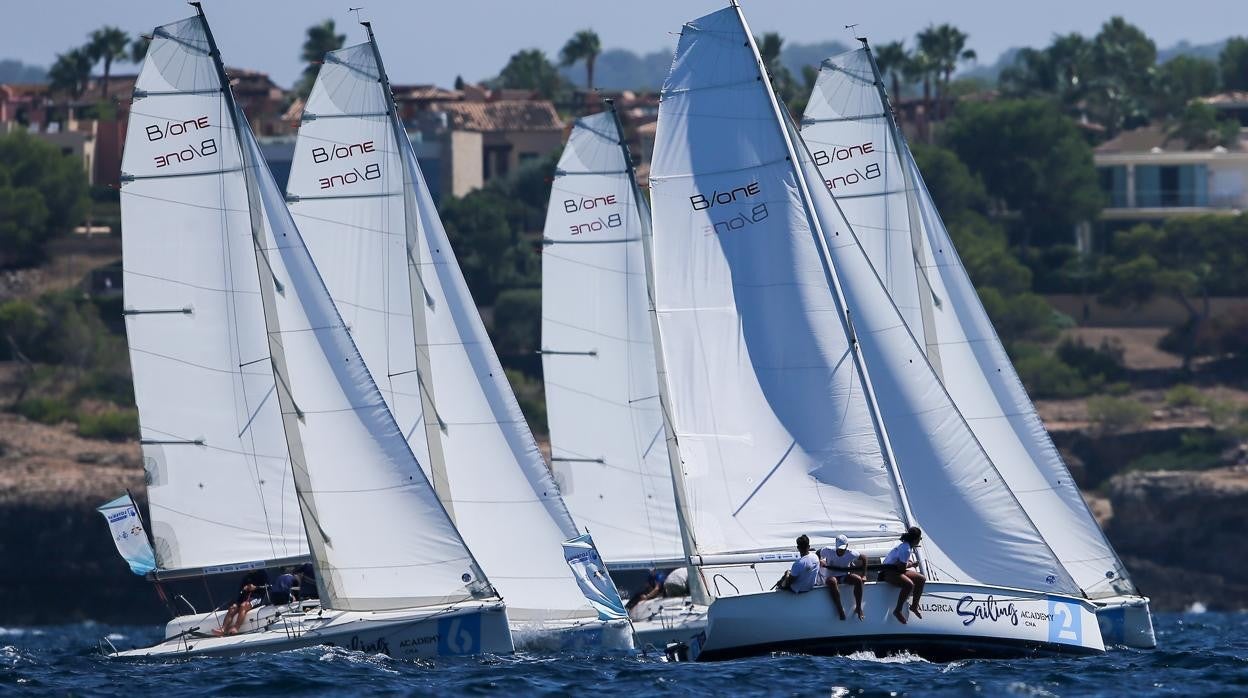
{"x":697,"y":589}
{"x":433,"y":425}
{"x":830,"y":273}
{"x":317,"y":538}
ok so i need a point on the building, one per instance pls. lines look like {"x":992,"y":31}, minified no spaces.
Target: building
{"x":1148,"y":175}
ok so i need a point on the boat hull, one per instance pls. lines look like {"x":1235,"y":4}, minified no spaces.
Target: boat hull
{"x":660,"y":622}
{"x":1126,"y":621}
{"x":959,"y":621}
{"x":572,"y":635}
{"x":405,"y":634}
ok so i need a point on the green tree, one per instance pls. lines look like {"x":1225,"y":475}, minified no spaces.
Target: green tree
{"x":1180,"y":80}
{"x":1033,"y":161}
{"x":891,"y":58}
{"x":107,"y":44}
{"x":518,"y":321}
{"x":584,"y":45}
{"x":69,"y":75}
{"x":1059,"y":71}
{"x":945,"y":46}
{"x":1188,"y":259}
{"x":1200,"y":127}
{"x":138,"y":49}
{"x":1233,"y":64}
{"x":1123,"y":61}
{"x":531,"y":70}
{"x":320,"y":40}
{"x":770,"y":46}
{"x":42,"y":193}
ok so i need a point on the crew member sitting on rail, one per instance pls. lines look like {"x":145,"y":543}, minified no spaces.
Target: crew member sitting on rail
{"x":250,"y":595}
{"x":838,"y":564}
{"x":801,"y":577}
{"x":897,"y":571}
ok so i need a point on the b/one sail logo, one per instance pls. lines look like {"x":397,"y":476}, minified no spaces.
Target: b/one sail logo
{"x":592,"y":203}
{"x":173,"y":128}
{"x":744,"y":194}
{"x":169,"y":129}
{"x":341,"y":151}
{"x":826,"y":156}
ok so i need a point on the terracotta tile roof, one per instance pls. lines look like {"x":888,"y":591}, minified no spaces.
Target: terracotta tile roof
{"x":1145,"y":139}
{"x":426,"y":92}
{"x":502,"y":115}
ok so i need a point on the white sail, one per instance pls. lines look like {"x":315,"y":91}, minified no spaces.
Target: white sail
{"x":756,"y":270}
{"x":608,"y":444}
{"x":380,"y":537}
{"x":217,"y":470}
{"x":775,"y":433}
{"x":371,"y":224}
{"x":869,"y":169}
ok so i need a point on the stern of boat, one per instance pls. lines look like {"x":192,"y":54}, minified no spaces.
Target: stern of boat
{"x":1126,"y":621}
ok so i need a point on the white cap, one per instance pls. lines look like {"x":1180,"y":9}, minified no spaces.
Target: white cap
{"x":842,"y":542}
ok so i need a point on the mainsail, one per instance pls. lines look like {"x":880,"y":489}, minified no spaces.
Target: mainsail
{"x":218,"y":475}
{"x":379,"y":535}
{"x":369,"y":221}
{"x":866,"y":164}
{"x":608,"y":443}
{"x":796,"y":385}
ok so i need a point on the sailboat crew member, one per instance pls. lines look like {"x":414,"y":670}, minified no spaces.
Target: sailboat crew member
{"x":897,"y":571}
{"x":838,"y":564}
{"x":250,"y":594}
{"x":802,"y":576}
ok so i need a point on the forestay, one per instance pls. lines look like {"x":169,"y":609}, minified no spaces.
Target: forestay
{"x":218,"y":478}
{"x":608,"y":443}
{"x":768,"y":406}
{"x":360,"y":200}
{"x":866,"y":164}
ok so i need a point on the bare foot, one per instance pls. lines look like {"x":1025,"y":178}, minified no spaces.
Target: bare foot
{"x":218,"y":631}
{"x":898,"y":616}
{"x":915,"y":611}
{"x":858,"y":612}
{"x":841,"y":612}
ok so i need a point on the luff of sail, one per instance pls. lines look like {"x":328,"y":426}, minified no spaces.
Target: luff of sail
{"x":379,"y":535}
{"x":608,"y":443}
{"x":218,"y":477}
{"x":866,"y":163}
{"x":385,"y":257}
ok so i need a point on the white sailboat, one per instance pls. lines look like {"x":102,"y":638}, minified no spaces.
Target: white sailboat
{"x":801,"y":403}
{"x":362,"y":205}
{"x":866,"y":163}
{"x":256,"y":409}
{"x":609,"y":447}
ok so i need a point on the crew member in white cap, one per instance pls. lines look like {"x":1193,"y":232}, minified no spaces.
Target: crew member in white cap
{"x":839,"y":564}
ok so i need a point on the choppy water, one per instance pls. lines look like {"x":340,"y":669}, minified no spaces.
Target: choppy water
{"x":1199,"y":654}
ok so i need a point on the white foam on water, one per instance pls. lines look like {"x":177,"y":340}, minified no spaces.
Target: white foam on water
{"x":377,"y":661}
{"x":899,"y":658}
{"x":114,"y":637}
{"x":1197,"y":607}
{"x":1020,"y":688}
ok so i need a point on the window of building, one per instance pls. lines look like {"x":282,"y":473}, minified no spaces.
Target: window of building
{"x":1171,"y":186}
{"x":1114,"y":184}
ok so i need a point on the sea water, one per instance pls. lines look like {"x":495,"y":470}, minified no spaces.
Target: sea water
{"x":1197,"y":654}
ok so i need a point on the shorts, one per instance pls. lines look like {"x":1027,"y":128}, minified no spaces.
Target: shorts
{"x":675,"y":588}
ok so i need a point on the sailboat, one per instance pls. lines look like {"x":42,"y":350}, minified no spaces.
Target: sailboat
{"x":609,"y":447}
{"x":800,"y":403}
{"x":865,"y":162}
{"x":265,"y":438}
{"x":370,"y":224}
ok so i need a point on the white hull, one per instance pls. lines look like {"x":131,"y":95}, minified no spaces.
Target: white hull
{"x":959,"y":620}
{"x":571,"y":635}
{"x":1126,"y":621}
{"x":404,"y":634}
{"x":662,"y":621}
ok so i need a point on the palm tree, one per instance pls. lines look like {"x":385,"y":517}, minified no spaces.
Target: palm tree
{"x":583,"y":44}
{"x":946,"y":46}
{"x":138,"y":49}
{"x":107,"y":44}
{"x":69,"y":75}
{"x":770,"y":46}
{"x":920,"y":67}
{"x":891,"y":59}
{"x":321,"y":40}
